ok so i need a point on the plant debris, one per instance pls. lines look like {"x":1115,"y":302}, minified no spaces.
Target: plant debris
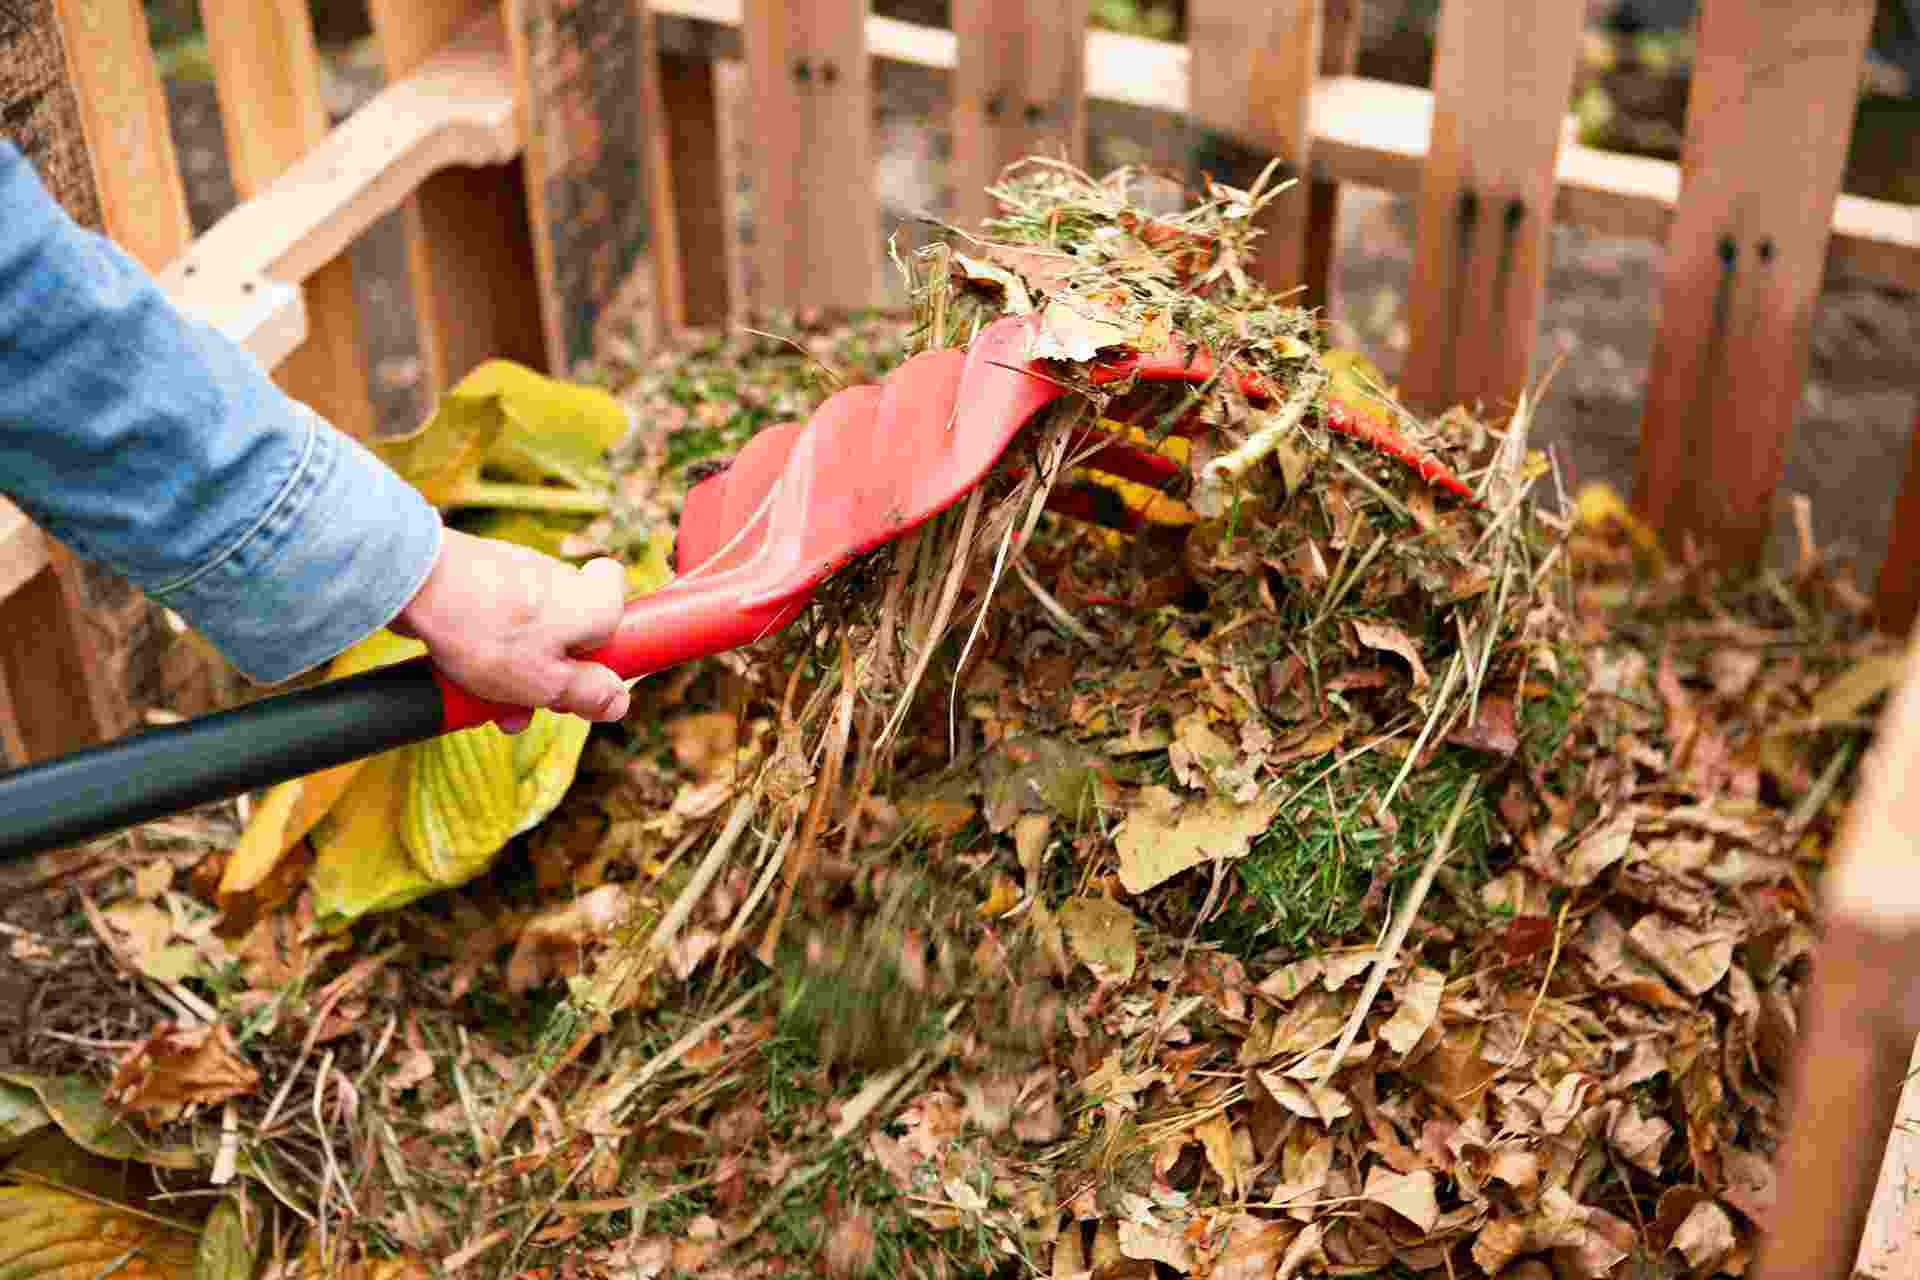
{"x":1367,"y":861}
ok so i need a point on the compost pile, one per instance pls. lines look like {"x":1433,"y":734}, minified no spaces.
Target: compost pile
{"x":1368,"y":856}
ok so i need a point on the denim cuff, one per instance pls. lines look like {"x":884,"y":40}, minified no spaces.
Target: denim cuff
{"x":337,"y":553}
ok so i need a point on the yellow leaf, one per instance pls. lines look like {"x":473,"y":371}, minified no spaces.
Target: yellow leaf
{"x":1599,"y":505}
{"x":290,"y":810}
{"x":55,"y":1235}
{"x":518,"y":423}
{"x":361,"y":866}
{"x":1003,"y":897}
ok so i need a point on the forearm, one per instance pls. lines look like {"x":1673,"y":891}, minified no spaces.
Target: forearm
{"x":147,"y":441}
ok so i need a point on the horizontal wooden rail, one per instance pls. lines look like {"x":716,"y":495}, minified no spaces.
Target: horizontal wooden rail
{"x":1363,"y":131}
{"x":457,"y":109}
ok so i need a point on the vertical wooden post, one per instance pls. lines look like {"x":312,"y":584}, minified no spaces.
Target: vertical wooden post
{"x":1769,"y":117}
{"x":469,"y":251}
{"x":1019,"y":90}
{"x":123,"y":111}
{"x":588,"y":83}
{"x":694,"y":189}
{"x":1897,"y":594}
{"x":1339,"y":49}
{"x":816,"y":227}
{"x":267,"y":77}
{"x":1250,"y":83}
{"x":80,"y":95}
{"x":1502,"y":72}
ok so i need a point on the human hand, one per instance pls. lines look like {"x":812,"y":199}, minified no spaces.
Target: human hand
{"x":503,"y":621}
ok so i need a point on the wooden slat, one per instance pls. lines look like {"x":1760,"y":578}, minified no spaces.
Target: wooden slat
{"x":1897,"y":594}
{"x":1252,"y":73}
{"x":1367,"y":132}
{"x":582,"y":67}
{"x":23,"y":549}
{"x":1339,"y":47}
{"x":53,"y":697}
{"x":267,"y":77}
{"x":123,"y":111}
{"x":816,"y":227}
{"x":1890,"y":1246}
{"x":1018,"y":90}
{"x":1502,"y":71}
{"x":697,"y":257}
{"x":470,"y":253}
{"x":1769,"y":117}
{"x":456,"y":109}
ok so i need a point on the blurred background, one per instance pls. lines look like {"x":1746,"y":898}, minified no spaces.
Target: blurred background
{"x":1856,"y":413}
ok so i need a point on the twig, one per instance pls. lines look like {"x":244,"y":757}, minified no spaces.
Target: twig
{"x":1402,"y":923}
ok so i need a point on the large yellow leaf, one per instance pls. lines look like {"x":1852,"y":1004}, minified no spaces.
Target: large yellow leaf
{"x":436,"y":814}
{"x":48,"y":1234}
{"x":518,"y":423}
{"x":290,"y":810}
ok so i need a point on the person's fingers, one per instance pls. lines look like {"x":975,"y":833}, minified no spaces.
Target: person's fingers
{"x":595,"y":600}
{"x":515,"y":722}
{"x":591,"y":691}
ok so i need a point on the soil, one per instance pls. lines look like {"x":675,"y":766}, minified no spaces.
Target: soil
{"x":1854,"y":421}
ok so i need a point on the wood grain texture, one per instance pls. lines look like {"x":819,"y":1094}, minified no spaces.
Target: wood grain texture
{"x":693,"y":174}
{"x":817,"y":234}
{"x":1364,"y":131}
{"x":1502,"y":73}
{"x":39,"y":112}
{"x":1019,"y":89}
{"x":1897,"y":593}
{"x":469,"y":248}
{"x":1890,"y":1245}
{"x":53,"y":694}
{"x":267,"y":79}
{"x":1339,"y":48}
{"x":1769,"y":117}
{"x":1252,"y":69}
{"x":123,"y":112}
{"x":583,"y":68}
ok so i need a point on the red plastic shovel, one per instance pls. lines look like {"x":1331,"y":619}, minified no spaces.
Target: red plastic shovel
{"x":755,"y":541}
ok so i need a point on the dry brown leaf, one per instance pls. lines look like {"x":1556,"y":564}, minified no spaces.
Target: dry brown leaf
{"x":1156,"y":844}
{"x":1030,"y":832}
{"x":1414,"y":1196}
{"x":1416,"y":1005}
{"x":1391,"y":639}
{"x":1638,"y":1138}
{"x":1144,"y":1242}
{"x":177,"y":1068}
{"x":554,"y":943}
{"x":1695,"y":959}
{"x":1254,"y":1248}
{"x":1216,"y":1139}
{"x":1596,"y":851}
{"x":1494,"y":728}
{"x":705,"y":743}
{"x":1705,"y":1238}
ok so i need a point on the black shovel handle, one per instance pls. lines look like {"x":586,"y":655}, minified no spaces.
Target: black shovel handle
{"x":173,"y":768}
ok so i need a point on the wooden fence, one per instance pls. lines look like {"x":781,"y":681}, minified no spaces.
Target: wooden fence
{"x":557,"y":161}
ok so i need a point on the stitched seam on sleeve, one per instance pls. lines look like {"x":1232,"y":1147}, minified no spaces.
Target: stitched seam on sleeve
{"x":299,"y":474}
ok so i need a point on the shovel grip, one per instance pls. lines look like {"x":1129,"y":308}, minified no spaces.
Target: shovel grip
{"x":174,"y":768}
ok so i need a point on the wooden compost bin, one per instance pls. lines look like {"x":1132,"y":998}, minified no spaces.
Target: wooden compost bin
{"x":556,"y":162}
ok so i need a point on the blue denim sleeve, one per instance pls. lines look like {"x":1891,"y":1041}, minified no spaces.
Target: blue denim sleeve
{"x":145,"y":440}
